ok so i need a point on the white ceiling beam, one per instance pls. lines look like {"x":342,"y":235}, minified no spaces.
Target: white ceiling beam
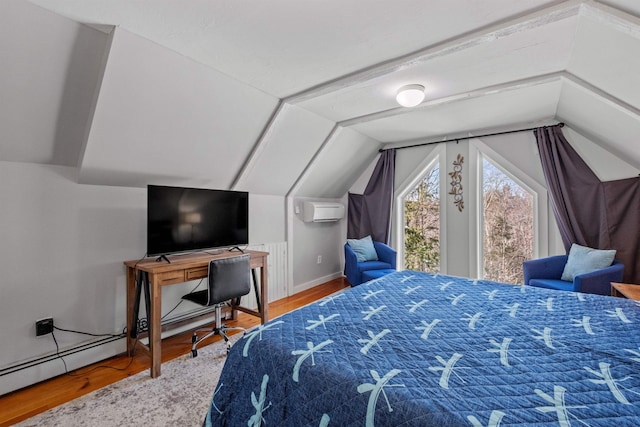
{"x":559,"y":11}
{"x":605,"y":97}
{"x":566,"y":78}
{"x":609,"y":16}
{"x":496,"y":89}
{"x":258,"y":147}
{"x":476,"y":93}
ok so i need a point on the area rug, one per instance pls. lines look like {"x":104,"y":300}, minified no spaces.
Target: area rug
{"x":179,"y":397}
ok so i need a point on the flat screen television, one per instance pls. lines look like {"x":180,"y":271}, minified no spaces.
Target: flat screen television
{"x":183,"y":219}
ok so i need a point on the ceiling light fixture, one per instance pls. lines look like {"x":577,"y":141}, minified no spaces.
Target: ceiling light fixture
{"x":410,"y":95}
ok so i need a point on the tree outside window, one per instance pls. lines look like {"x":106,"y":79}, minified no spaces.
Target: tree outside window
{"x":507,"y":226}
{"x":422,"y":224}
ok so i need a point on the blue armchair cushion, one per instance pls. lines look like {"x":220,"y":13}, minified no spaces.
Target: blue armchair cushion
{"x":375,"y":274}
{"x":561,"y":285}
{"x":585,"y":260}
{"x":364,"y":249}
{"x":373,"y":265}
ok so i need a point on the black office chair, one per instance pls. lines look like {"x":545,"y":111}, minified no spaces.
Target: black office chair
{"x":229,"y":278}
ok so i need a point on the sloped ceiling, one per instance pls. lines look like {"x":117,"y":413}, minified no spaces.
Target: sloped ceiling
{"x":297,"y":97}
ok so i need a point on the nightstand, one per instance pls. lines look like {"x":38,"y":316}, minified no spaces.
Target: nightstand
{"x":625,"y":290}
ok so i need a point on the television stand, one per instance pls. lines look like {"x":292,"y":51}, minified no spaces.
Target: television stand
{"x":163,"y":257}
{"x":151,"y":277}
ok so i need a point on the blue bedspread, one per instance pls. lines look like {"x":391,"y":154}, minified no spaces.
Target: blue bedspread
{"x":416,"y":349}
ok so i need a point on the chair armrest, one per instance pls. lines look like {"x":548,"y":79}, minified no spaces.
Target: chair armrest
{"x":544,"y":268}
{"x":599,"y":281}
{"x":386,"y":253}
{"x":351,"y":266}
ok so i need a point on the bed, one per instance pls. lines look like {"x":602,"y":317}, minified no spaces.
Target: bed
{"x":417,"y":349}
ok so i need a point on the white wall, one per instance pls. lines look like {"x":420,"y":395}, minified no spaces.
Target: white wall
{"x":266,"y":218}
{"x":62,"y":252}
{"x":61,"y":255}
{"x":604,"y":164}
{"x":313,"y":239}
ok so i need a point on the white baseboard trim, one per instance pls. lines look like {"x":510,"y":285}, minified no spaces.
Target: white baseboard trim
{"x":51,"y":368}
{"x":54,"y":367}
{"x":319,"y":281}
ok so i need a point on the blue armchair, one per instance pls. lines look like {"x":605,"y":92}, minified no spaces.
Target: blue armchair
{"x":546,"y":273}
{"x":360,"y":272}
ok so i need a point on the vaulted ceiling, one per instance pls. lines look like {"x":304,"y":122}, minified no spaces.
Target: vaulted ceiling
{"x":296,"y":97}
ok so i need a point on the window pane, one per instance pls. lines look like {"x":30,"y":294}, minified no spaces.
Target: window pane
{"x":508,"y":226}
{"x":422,"y":224}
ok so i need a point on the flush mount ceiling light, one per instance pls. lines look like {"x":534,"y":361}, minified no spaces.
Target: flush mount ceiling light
{"x":410,"y":95}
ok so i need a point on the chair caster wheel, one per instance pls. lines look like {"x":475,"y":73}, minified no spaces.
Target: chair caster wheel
{"x":193,"y":339}
{"x":194,"y":353}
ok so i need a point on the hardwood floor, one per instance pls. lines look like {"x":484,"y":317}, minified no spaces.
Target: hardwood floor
{"x":29,"y":401}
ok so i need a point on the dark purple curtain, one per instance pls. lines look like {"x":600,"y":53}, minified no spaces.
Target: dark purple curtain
{"x":370,"y":213}
{"x":603,"y":215}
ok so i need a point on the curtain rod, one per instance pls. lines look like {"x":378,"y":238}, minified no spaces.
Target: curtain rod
{"x":466,"y":137}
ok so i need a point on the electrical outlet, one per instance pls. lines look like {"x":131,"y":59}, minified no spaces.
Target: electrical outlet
{"x":44,"y":326}
{"x":319,"y":259}
{"x":142,"y":325}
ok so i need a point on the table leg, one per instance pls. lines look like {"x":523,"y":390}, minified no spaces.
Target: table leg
{"x":264,"y":297}
{"x":133,"y":331}
{"x":147,"y":295}
{"x":255,"y":289}
{"x":155,"y":327}
{"x":131,"y":309}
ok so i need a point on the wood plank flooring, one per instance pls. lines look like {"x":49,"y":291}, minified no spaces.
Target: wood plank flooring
{"x":29,"y":401}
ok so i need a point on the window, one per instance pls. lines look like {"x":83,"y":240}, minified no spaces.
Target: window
{"x":422,"y":224}
{"x":508,"y":225}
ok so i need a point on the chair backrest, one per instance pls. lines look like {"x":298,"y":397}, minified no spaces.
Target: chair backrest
{"x":229,"y":278}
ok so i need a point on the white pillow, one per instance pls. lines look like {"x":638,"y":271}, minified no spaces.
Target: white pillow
{"x":364,"y":249}
{"x":585,"y":260}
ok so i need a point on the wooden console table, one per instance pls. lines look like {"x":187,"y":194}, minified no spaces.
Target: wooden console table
{"x":625,"y":290}
{"x":150,"y":275}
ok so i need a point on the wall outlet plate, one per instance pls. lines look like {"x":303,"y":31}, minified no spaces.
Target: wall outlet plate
{"x":44,"y":326}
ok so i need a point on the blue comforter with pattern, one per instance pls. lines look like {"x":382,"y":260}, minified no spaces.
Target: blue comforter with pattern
{"x":417,"y":349}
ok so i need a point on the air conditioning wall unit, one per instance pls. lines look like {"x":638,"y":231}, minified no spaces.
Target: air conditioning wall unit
{"x":322,"y":211}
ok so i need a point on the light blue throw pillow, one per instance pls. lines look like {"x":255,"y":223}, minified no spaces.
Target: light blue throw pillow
{"x":364,"y":249}
{"x":585,"y":260}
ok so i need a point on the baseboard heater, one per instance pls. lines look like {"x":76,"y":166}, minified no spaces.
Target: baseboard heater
{"x":50,"y":357}
{"x":169,"y":324}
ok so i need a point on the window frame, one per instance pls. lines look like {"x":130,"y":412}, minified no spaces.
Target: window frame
{"x":479,"y":151}
{"x":433,"y":158}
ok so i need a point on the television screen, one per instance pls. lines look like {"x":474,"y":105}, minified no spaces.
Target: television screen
{"x":188,"y":219}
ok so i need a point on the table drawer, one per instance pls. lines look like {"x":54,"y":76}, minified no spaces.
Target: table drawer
{"x":197,"y":273}
{"x":171,"y":277}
